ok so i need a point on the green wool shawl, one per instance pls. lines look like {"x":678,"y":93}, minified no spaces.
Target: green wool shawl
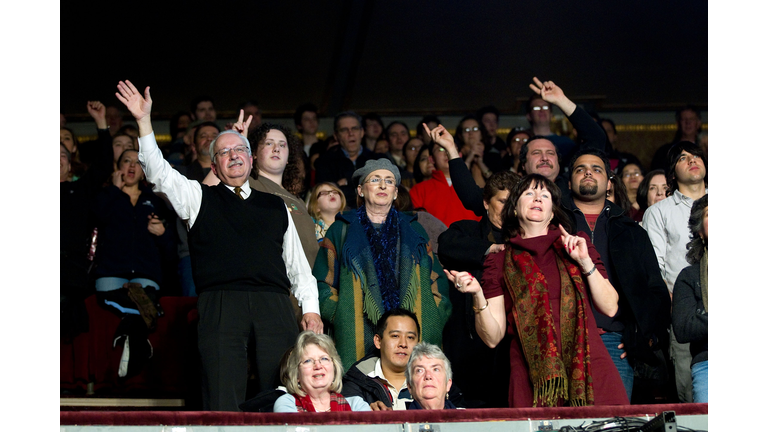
{"x":350,"y":298}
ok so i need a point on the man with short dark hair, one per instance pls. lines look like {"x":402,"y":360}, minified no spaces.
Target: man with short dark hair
{"x":246,"y":260}
{"x":489,"y":116}
{"x":205,"y":133}
{"x":379,"y":377}
{"x":640,"y":325}
{"x":373,"y":128}
{"x":397,"y":135}
{"x":305,"y":119}
{"x":667,"y":226}
{"x":340,"y":162}
{"x":202,"y":109}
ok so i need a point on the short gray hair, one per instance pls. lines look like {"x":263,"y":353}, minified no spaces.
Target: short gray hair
{"x":242,"y":138}
{"x":424,"y":349}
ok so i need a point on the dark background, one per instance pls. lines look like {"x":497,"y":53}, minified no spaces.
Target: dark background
{"x":393,"y":57}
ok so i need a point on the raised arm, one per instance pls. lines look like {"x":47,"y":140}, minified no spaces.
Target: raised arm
{"x":99,"y":172}
{"x":140,"y":107}
{"x":590,"y":133}
{"x":470,"y":195}
{"x":184,"y":195}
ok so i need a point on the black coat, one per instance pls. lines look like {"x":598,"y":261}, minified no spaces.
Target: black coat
{"x":356,"y":383}
{"x":643,"y":296}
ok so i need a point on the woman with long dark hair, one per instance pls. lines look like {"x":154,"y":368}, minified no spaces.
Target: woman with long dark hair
{"x":539,"y":290}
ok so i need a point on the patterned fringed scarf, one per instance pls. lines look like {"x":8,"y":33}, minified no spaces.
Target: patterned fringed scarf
{"x":383,"y":243}
{"x":338,"y":403}
{"x":555,"y":375}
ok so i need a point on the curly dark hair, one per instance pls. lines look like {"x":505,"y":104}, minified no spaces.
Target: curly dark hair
{"x":293,"y":175}
{"x":510,"y":225}
{"x":697,"y":245}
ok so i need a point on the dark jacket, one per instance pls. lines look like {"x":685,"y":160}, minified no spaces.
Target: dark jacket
{"x":125,"y":247}
{"x":643,"y":296}
{"x":689,"y":319}
{"x":472,"y":360}
{"x":356,"y":382}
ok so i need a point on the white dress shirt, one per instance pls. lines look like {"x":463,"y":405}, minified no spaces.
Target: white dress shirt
{"x":186,"y":197}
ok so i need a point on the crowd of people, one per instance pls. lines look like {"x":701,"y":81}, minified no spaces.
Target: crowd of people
{"x":567,"y":273}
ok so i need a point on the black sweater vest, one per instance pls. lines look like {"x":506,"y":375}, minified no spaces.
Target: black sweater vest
{"x":237,"y":244}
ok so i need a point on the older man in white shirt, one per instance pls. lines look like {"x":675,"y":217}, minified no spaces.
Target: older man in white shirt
{"x":246,"y":259}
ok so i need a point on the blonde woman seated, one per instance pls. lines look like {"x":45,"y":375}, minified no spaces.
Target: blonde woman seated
{"x":325,"y":201}
{"x":313,"y":378}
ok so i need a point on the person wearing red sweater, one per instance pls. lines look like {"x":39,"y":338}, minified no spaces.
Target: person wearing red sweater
{"x":436,"y":195}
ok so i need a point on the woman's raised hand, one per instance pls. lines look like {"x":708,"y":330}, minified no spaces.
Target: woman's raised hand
{"x":576,"y":247}
{"x":464,"y":281}
{"x":442,"y":138}
{"x":240,"y":126}
{"x":139,"y":106}
{"x":117,"y":179}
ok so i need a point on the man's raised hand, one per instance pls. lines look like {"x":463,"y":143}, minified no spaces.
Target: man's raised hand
{"x":139,"y":106}
{"x":550,"y":92}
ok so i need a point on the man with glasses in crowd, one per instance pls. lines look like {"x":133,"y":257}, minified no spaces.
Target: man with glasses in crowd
{"x":340,"y":162}
{"x":246,"y":260}
{"x":539,"y":114}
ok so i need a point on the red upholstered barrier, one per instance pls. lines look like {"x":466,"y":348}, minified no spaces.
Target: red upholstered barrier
{"x":192,"y":418}
{"x":91,"y":357}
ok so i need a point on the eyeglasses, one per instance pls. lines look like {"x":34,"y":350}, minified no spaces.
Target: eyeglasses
{"x":310,"y":362}
{"x":633,"y":174}
{"x":377,"y":181}
{"x":241,"y":149}
{"x":522,"y":140}
{"x":354,"y":129}
{"x":472,"y":129}
{"x":330,"y":192}
{"x":539,"y":108}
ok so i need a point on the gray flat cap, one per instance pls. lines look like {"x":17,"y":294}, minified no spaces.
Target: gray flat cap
{"x":372,"y":165}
